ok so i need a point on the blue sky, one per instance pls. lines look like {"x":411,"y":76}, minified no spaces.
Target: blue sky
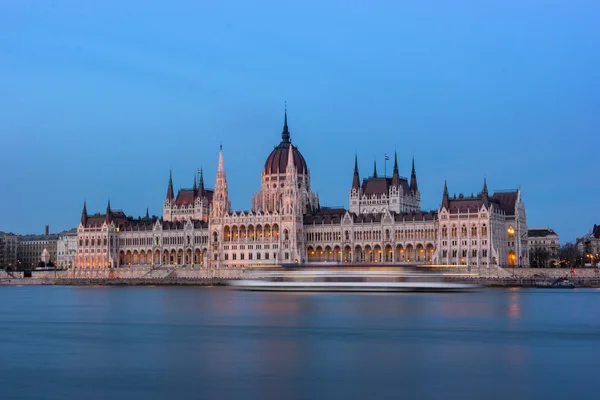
{"x":101,"y":99}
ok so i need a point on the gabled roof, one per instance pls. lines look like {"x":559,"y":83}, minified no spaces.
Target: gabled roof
{"x":379,"y":186}
{"x":506,"y":201}
{"x":325,"y":216}
{"x":540,"y":232}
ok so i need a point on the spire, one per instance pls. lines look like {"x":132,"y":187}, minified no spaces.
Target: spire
{"x":374,"y":168}
{"x":170,"y":195}
{"x":220,"y":203}
{"x":285,"y":134}
{"x":413,"y":178}
{"x":195,"y":187}
{"x":84,"y":214}
{"x":147,"y":213}
{"x":201,"y":187}
{"x":446,"y":197}
{"x":108,"y":217}
{"x":485,"y":189}
{"x":395,"y":175}
{"x":221,"y":166}
{"x":291,"y":166}
{"x":356,"y":177}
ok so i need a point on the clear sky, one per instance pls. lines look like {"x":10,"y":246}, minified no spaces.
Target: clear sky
{"x":100,"y":99}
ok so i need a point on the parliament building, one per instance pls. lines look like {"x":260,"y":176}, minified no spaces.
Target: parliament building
{"x":383,"y":224}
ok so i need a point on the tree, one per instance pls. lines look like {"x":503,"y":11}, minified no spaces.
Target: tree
{"x":568,"y":254}
{"x":539,"y":257}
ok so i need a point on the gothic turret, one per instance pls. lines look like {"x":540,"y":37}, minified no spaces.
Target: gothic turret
{"x":291,"y":186}
{"x":220,"y":203}
{"x":445,"y":196}
{"x":201,"y":192}
{"x":374,"y":169}
{"x":108,"y":218}
{"x":413,"y":178}
{"x":170,"y":194}
{"x":285,"y":134}
{"x":356,"y":177}
{"x":84,"y":215}
{"x":195,"y":187}
{"x":395,"y":174}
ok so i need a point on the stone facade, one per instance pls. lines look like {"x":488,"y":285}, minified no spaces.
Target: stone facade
{"x":66,"y":249}
{"x":286,"y":224}
{"x":31,"y":247}
{"x":8,"y":251}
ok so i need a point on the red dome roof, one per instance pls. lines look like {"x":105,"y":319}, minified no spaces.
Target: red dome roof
{"x":277,"y":160}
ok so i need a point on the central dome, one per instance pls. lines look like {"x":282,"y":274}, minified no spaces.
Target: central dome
{"x":277,"y":160}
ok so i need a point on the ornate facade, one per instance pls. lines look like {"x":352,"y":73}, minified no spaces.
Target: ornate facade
{"x":286,"y":224}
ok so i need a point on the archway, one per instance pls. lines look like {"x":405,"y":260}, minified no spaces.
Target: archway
{"x":347,"y":254}
{"x":389,"y":254}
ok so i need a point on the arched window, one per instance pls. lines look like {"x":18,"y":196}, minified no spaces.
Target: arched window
{"x":484,"y":230}
{"x":454,"y":231}
{"x":464,"y":230}
{"x":286,"y":235}
{"x":444,"y":231}
{"x":215,"y":237}
{"x":511,"y":232}
{"x":474,"y":231}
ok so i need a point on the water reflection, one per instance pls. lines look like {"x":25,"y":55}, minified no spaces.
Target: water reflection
{"x":217,"y":343}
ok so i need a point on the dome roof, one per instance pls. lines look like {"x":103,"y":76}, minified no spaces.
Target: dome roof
{"x":277,"y":161}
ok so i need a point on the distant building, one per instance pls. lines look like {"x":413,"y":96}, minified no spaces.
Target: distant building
{"x":66,"y":248}
{"x":8,"y":251}
{"x":384,"y":224}
{"x":31,"y":248}
{"x":589,"y":245}
{"x":545,"y":239}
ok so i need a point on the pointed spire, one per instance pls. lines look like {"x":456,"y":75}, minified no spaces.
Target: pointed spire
{"x":170,"y":194}
{"x":285,"y":134}
{"x":84,"y":214}
{"x":374,"y":168}
{"x":108,"y":217}
{"x":446,"y":196}
{"x":221,"y":166}
{"x":396,"y":174}
{"x":147,"y":213}
{"x":413,"y":178}
{"x":485,"y":189}
{"x":291,"y":165}
{"x":201,"y":188}
{"x":195,"y":187}
{"x":356,"y":178}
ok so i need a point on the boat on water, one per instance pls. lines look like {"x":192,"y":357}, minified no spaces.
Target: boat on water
{"x":560,"y":283}
{"x":350,"y":280}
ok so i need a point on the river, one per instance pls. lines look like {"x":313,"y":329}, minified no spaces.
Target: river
{"x":59,"y":342}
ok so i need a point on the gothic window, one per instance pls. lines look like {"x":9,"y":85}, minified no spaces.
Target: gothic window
{"x":215,"y":237}
{"x":387,"y":234}
{"x":249,"y":256}
{"x":226,"y":256}
{"x":511,"y":232}
{"x":474,"y":231}
{"x":105,"y":241}
{"x":287,"y":256}
{"x":454,"y":231}
{"x":464,"y":230}
{"x":464,"y":253}
{"x":474,"y":253}
{"x":444,"y":253}
{"x":454,"y":253}
{"x":286,"y":235}
{"x":258,"y":256}
{"x":234,"y":256}
{"x":484,"y":230}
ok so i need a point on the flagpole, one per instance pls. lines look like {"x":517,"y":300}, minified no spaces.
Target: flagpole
{"x":385,"y":165}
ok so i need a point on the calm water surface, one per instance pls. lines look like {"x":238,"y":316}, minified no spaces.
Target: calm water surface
{"x":215,"y":343}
